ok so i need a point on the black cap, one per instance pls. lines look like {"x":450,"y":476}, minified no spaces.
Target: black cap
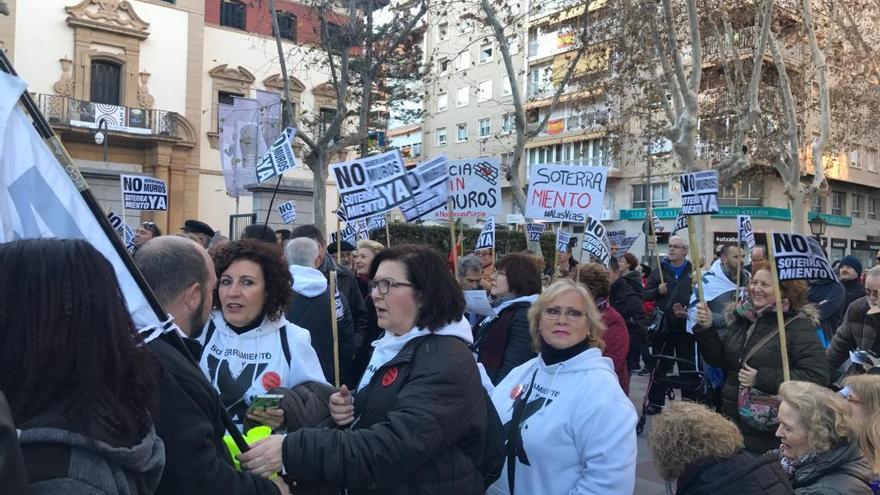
{"x":197,"y":227}
{"x":344,"y":247}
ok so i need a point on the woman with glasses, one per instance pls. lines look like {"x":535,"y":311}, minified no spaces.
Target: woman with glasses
{"x":417,"y":421}
{"x":148,"y":230}
{"x":863,"y":394}
{"x":502,"y":340}
{"x":571,"y":428}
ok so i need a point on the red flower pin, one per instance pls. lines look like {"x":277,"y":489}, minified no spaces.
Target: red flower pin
{"x":271,"y":380}
{"x":389,"y":376}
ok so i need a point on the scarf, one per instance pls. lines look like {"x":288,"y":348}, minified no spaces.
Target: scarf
{"x":748,"y":311}
{"x":792,"y":465}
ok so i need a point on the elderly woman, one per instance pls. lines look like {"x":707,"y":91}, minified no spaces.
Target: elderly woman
{"x":368,"y":333}
{"x":818,"y":446}
{"x":702,"y":451}
{"x":417,"y":421}
{"x":863,"y":394}
{"x":366,"y":250}
{"x":249,"y":347}
{"x":750,"y":352}
{"x":595,"y":278}
{"x":571,"y":427}
{"x":502,"y":341}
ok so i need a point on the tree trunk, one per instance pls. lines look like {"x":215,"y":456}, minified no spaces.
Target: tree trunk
{"x":320,"y":173}
{"x":797,"y":204}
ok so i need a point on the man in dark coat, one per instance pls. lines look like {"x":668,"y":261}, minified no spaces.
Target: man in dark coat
{"x":828,"y":296}
{"x":13,"y":476}
{"x":850,"y":270}
{"x":182,"y":276}
{"x":861,"y":325}
{"x":625,"y":295}
{"x":672,"y":297}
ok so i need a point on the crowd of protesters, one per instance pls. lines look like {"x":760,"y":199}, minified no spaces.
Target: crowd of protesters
{"x":369,"y":373}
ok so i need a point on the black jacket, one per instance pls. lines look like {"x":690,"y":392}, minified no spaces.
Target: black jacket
{"x":505,"y":342}
{"x":828,"y":296}
{"x":839,"y":471}
{"x":363,"y":340}
{"x":678,"y":291}
{"x":419,"y":425}
{"x":742,"y":474}
{"x":348,"y":287}
{"x":626,"y":297}
{"x":189,"y":423}
{"x":13,"y":476}
{"x":853,"y":290}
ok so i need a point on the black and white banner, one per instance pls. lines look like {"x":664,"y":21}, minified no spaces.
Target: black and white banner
{"x":287,"y":211}
{"x":143,"y":193}
{"x":657,"y":224}
{"x":349,"y":234}
{"x":800,"y":257}
{"x":595,"y":241}
{"x":681,"y":222}
{"x":371,"y":186}
{"x":377,"y":222}
{"x":487,"y":235}
{"x":278,"y":158}
{"x":124,"y":231}
{"x":535,"y":230}
{"x":699,"y":193}
{"x":363,"y":232}
{"x":746,"y":231}
{"x":562,"y":240}
{"x":429,"y":184}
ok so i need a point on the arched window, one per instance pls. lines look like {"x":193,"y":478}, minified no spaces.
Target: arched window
{"x":105,"y":82}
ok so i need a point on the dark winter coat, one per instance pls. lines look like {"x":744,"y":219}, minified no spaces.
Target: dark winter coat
{"x":828,"y":296}
{"x":625,"y":295}
{"x":678,"y":291}
{"x":348,"y":287}
{"x":806,"y":361}
{"x":840,"y":471}
{"x":363,"y":339}
{"x":62,"y":461}
{"x":419,"y":425}
{"x":853,"y":290}
{"x":13,"y":476}
{"x":859,"y":330}
{"x":718,"y":306}
{"x":505,"y":342}
{"x":190,"y":424}
{"x":742,"y":474}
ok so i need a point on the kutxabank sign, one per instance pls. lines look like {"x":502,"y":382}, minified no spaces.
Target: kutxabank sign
{"x":565,"y":193}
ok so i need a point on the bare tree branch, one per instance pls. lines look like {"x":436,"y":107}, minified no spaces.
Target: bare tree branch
{"x":819,"y":181}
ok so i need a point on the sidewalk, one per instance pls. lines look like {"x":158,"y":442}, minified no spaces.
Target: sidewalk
{"x":647,"y":481}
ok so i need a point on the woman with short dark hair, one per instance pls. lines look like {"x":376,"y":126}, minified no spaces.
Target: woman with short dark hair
{"x":249,"y":346}
{"x":502,"y":341}
{"x":81,"y":385}
{"x":417,"y":421}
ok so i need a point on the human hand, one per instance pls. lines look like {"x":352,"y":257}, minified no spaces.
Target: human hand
{"x":747,"y":376}
{"x":663,"y":289}
{"x":679,"y":310}
{"x":272,"y":417}
{"x":342,"y":406}
{"x":264,"y":457}
{"x":704,"y":316}
{"x":282,"y":485}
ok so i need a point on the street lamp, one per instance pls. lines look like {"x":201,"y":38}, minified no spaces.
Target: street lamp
{"x":817,"y":227}
{"x":101,"y":137}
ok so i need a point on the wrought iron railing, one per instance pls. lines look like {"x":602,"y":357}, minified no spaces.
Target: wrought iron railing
{"x":64,"y":111}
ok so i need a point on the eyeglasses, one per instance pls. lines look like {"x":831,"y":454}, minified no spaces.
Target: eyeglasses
{"x":554,"y":312}
{"x":872,"y":292}
{"x":385,"y":284}
{"x":677,"y":246}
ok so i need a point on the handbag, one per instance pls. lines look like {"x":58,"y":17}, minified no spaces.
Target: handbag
{"x":759,"y":410}
{"x":655,"y":322}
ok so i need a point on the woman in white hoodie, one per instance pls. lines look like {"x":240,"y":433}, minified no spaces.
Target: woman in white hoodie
{"x":249,"y":347}
{"x":571,"y":428}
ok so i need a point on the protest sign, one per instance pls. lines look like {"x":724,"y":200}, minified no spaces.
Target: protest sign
{"x":377,"y":222}
{"x":287,"y":211}
{"x":477,"y":302}
{"x":800,"y":257}
{"x":595,"y":242}
{"x":516,"y":218}
{"x":535,"y":230}
{"x":474,"y":187}
{"x":681,"y":223}
{"x":566,"y":193}
{"x":658,"y":225}
{"x":746,"y":231}
{"x":349,"y":235}
{"x":562,"y":240}
{"x":371,"y":186}
{"x":429,"y":184}
{"x":625,"y":245}
{"x":699,"y":193}
{"x":278,"y":158}
{"x":362,"y":231}
{"x":143,"y":193}
{"x":487,"y":235}
{"x":124,"y":231}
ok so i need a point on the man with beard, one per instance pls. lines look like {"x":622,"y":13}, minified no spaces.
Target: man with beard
{"x":861,"y":324}
{"x":189,"y":422}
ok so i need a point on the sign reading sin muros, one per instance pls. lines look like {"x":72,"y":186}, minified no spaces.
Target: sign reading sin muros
{"x":565,"y":193}
{"x":474,"y":187}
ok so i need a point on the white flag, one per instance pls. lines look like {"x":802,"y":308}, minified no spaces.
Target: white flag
{"x":38,"y":199}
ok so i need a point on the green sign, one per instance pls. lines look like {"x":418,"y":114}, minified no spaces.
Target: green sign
{"x":831,"y":219}
{"x":641,"y":213}
{"x":766,"y":212}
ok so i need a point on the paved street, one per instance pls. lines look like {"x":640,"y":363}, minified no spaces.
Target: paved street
{"x":647,"y":481}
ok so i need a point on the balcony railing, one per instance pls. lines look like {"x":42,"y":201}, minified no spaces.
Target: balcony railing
{"x":64,"y":111}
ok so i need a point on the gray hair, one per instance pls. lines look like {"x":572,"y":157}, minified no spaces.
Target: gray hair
{"x":171,"y":264}
{"x":469,"y":263}
{"x":873,"y":272}
{"x":682,"y":239}
{"x":302,"y":251}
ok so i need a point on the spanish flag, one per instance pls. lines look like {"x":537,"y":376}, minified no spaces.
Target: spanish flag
{"x":555,"y":126}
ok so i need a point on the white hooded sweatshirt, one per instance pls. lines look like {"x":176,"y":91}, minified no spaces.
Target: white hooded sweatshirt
{"x":308,"y":282}
{"x":578,"y":429}
{"x":244,"y":366}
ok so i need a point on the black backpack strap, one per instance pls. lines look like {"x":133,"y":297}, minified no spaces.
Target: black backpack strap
{"x":285,"y":346}
{"x":210,"y":332}
{"x":514,"y":435}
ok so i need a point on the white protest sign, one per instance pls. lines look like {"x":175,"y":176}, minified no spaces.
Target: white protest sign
{"x":681,"y":222}
{"x":562,"y":240}
{"x":349,"y":234}
{"x":535,"y":230}
{"x":658,"y":225}
{"x":746,"y":231}
{"x":567,"y":193}
{"x":615,"y":237}
{"x":474,"y":187}
{"x":429,"y":184}
{"x":799,"y":257}
{"x":625,"y":245}
{"x":516,"y":218}
{"x":124,"y":231}
{"x":279,"y":158}
{"x":477,"y":302}
{"x":287,"y":211}
{"x":377,"y":222}
{"x":487,"y":235}
{"x":372,"y":185}
{"x":699,"y":193}
{"x":143,"y":193}
{"x":362,"y":231}
{"x":595,"y":242}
